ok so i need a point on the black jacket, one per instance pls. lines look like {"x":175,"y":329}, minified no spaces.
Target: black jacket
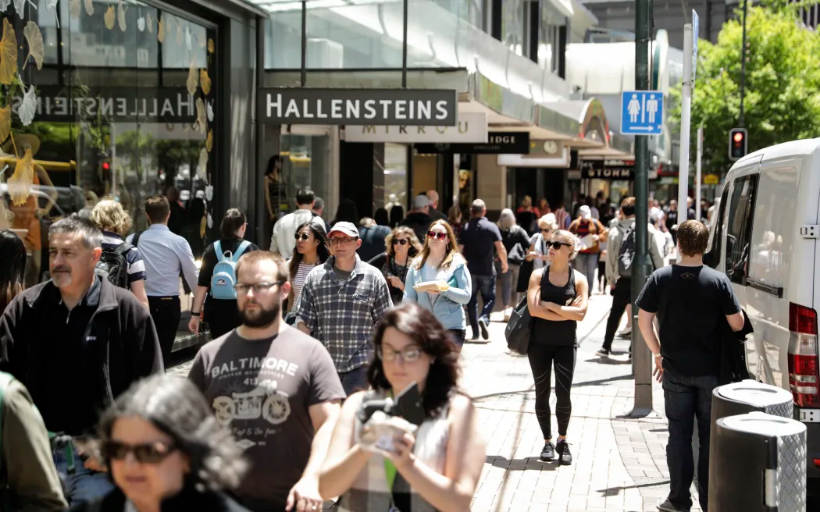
{"x":188,"y":500}
{"x":733,"y":352}
{"x":419,"y":222}
{"x":127,"y":347}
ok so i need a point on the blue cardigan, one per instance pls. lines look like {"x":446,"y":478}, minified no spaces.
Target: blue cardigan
{"x":449,"y":307}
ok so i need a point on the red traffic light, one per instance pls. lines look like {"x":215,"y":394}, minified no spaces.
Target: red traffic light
{"x":738,"y":137}
{"x":738,"y":143}
{"x":106,"y":166}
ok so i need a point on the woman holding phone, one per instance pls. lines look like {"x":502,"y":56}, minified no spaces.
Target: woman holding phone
{"x":435,"y":468}
{"x":402,"y":246}
{"x":447,"y":283}
{"x":557,"y":301}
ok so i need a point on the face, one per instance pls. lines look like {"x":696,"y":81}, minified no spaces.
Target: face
{"x":306,"y":241}
{"x":564,"y":251}
{"x":259,"y":308}
{"x":71,"y":263}
{"x":436,"y":241}
{"x":401,"y":243}
{"x":673,"y":205}
{"x":400,"y":372}
{"x":146,"y":482}
{"x":343,"y":245}
{"x":546,"y":231}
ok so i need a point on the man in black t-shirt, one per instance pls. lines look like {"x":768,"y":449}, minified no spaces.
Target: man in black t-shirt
{"x":478,"y":239}
{"x":691,"y":302}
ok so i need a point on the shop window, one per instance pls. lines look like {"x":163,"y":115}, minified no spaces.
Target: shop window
{"x":739,"y":227}
{"x":305,"y":164}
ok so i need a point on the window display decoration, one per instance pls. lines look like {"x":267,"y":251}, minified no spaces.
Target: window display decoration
{"x":89,"y":7}
{"x":179,"y":33}
{"x":36,"y":49}
{"x":110,"y":17}
{"x":161,"y":30}
{"x":28,"y":107}
{"x":121,"y":16}
{"x":20,"y":183}
{"x":5,"y":123}
{"x":200,"y":125}
{"x":149,"y":22}
{"x":193,"y":78}
{"x":20,"y":5}
{"x":209,"y":142}
{"x":4,"y":4}
{"x":202,"y":166}
{"x":188,"y":38}
{"x":205,"y":81}
{"x":210,"y":107}
{"x":74,"y":7}
{"x":8,"y":54}
{"x":211,"y":48}
{"x":141,"y":24}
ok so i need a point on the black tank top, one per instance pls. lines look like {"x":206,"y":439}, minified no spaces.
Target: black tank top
{"x":548,"y":332}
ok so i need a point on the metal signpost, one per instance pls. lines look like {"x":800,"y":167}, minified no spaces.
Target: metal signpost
{"x":685,"y":112}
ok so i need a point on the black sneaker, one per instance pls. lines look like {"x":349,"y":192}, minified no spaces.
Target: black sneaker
{"x":564,"y":455}
{"x":548,"y":452}
{"x":602,"y":352}
{"x":482,"y":324}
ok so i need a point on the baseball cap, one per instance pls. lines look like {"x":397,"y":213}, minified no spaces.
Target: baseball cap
{"x":345,"y":227}
{"x":585,"y":212}
{"x":421,"y":202}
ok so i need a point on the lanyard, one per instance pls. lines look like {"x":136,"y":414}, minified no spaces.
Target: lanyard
{"x":390,"y":473}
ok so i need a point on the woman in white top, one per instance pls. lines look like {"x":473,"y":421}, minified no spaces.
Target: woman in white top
{"x":312,"y":249}
{"x":539,"y":252}
{"x":435,"y":468}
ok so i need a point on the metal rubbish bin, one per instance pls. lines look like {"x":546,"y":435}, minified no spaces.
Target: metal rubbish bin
{"x":747,"y":396}
{"x":759,"y":464}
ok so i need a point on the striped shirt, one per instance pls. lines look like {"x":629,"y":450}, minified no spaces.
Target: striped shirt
{"x":299,"y":281}
{"x":342,"y":314}
{"x":136,"y":265}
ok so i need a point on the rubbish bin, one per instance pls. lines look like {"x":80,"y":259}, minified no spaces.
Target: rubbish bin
{"x":758,"y":464}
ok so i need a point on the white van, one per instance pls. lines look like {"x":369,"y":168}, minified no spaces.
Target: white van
{"x":764,"y":239}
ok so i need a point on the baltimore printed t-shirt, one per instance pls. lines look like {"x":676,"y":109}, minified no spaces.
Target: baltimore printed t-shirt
{"x":261,"y":390}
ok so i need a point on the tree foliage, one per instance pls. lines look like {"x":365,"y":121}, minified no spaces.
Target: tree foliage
{"x":782,"y":84}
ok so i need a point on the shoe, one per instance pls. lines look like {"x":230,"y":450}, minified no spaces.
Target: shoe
{"x":564,"y":455}
{"x":602,"y":352}
{"x":665,"y":505}
{"x":507,"y":314}
{"x":547,"y":452}
{"x":626,"y":333}
{"x":482,"y":324}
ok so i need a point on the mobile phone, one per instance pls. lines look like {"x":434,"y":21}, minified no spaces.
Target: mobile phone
{"x":409,"y":405}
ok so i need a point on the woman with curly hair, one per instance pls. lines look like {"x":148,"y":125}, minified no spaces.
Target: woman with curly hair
{"x":166,"y":451}
{"x":431,"y":466}
{"x":402,"y":245}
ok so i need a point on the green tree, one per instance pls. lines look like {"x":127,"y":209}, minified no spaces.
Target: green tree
{"x":782,"y":85}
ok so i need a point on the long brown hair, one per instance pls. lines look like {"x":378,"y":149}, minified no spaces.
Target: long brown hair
{"x":451,"y":251}
{"x":13,"y":255}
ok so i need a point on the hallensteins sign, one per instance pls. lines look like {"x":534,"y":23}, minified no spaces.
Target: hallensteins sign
{"x":405,"y":107}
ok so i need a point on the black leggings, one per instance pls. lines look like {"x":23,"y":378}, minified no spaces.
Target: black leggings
{"x":541,"y":358}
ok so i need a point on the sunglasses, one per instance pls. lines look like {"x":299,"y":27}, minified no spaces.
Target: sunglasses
{"x":546,"y":230}
{"x":557,"y":245}
{"x":401,"y":242}
{"x":149,"y":453}
{"x":301,"y":236}
{"x":440,"y":236}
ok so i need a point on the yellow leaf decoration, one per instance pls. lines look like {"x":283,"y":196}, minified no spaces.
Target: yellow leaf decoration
{"x":8,"y":54}
{"x":201,"y":123}
{"x":74,"y":7}
{"x":161,"y":30}
{"x":121,"y":16}
{"x":20,"y":182}
{"x":110,"y":17}
{"x":209,"y":142}
{"x":5,"y":123}
{"x":35,"y":44}
{"x":211,"y":47}
{"x":193,"y":80}
{"x":205,"y":81}
{"x":150,"y":22}
{"x":89,"y":7}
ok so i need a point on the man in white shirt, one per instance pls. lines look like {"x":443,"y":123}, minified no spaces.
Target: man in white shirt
{"x":282,"y":241}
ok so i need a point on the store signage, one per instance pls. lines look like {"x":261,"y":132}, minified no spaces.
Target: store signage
{"x":498,"y":143}
{"x":550,"y":148}
{"x":395,"y":107}
{"x":623,"y":170}
{"x":471,"y":127}
{"x":120,"y":104}
{"x":711,"y":179}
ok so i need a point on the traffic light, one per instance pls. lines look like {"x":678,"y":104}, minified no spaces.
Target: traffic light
{"x":738,"y":143}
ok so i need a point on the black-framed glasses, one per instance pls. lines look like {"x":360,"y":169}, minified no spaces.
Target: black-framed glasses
{"x":557,"y":245}
{"x":342,"y":241}
{"x":402,"y":241}
{"x":408,"y":355}
{"x":242,"y":288}
{"x":148,"y":453}
{"x":440,"y":236}
{"x":301,"y":236}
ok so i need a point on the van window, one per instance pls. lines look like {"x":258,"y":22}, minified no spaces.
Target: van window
{"x":739,"y":227}
{"x":712,"y":256}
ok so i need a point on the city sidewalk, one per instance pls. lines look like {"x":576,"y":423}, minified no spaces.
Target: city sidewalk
{"x":619,"y":463}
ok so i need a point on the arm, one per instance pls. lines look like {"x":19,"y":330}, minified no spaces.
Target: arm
{"x":531,"y":253}
{"x":138,"y":289}
{"x":345,"y":459}
{"x":613,"y":247}
{"x":736,"y":321}
{"x":603,"y":233}
{"x":274,"y":245}
{"x":199,"y":301}
{"x":461,"y":294}
{"x":147,"y":359}
{"x":502,"y":254}
{"x":305,"y":310}
{"x":410,"y":293}
{"x":537,"y":308}
{"x":654,"y":251}
{"x":578,"y":310}
{"x":188,"y":265}
{"x":382,"y":302}
{"x":646,"y":321}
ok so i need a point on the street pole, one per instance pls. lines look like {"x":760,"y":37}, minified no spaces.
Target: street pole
{"x":685,"y":114}
{"x":698,"y":176}
{"x":743,"y":66}
{"x":641,"y":356}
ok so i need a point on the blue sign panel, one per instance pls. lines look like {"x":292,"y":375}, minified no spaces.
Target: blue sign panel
{"x":641,"y":113}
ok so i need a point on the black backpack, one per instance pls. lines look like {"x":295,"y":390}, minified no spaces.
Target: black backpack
{"x":626,"y":254}
{"x":114,"y":266}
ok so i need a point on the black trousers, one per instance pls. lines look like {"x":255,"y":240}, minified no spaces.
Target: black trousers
{"x":166,"y":313}
{"x":542,"y":358}
{"x":222,"y":316}
{"x":621,"y":298}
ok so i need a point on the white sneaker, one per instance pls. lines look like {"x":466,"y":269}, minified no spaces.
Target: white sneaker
{"x":626,"y":333}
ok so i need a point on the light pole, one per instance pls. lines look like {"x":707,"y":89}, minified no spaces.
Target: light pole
{"x":743,"y":65}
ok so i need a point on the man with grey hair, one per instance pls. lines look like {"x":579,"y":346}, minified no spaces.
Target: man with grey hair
{"x":434,"y":212}
{"x":76,"y":342}
{"x":319,"y":209}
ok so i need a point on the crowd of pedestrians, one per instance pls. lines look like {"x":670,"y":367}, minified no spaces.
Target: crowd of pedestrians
{"x":333,"y":366}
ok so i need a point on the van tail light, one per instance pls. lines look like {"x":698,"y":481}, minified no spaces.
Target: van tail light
{"x":803,"y":355}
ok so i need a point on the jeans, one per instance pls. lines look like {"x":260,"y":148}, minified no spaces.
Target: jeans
{"x":586,"y":263}
{"x":354,"y":380}
{"x":622,"y":296}
{"x":509,"y":283}
{"x":83,"y":485}
{"x":688,"y":398}
{"x":166,"y":313}
{"x":486,"y":286}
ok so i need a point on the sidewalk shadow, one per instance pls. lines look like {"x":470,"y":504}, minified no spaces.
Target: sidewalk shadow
{"x":608,"y":360}
{"x":527,"y":463}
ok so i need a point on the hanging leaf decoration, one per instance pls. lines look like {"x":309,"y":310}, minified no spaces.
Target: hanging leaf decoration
{"x":89,"y":7}
{"x":188,"y":39}
{"x":110,"y":17}
{"x":20,"y":182}
{"x":161,"y":30}
{"x":193,"y":80}
{"x":180,"y":33}
{"x":4,"y":4}
{"x":202,"y":166}
{"x":210,"y":107}
{"x":121,"y":16}
{"x":35,"y":44}
{"x":8,"y":54}
{"x":205,"y":81}
{"x":141,"y":24}
{"x":150,"y":22}
{"x":201,"y":41}
{"x":209,"y":142}
{"x":5,"y":123}
{"x":201,"y":124}
{"x":211,"y":48}
{"x":50,"y":4}
{"x":28,"y":107}
{"x":74,"y":7}
{"x":20,"y":5}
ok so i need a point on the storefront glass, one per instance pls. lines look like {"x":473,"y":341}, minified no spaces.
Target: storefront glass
{"x":395,"y":175}
{"x":122,"y":100}
{"x":305,"y":164}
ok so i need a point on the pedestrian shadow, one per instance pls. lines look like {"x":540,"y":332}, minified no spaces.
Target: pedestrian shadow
{"x":609,"y":361}
{"x":525,"y":464}
{"x":615,"y":491}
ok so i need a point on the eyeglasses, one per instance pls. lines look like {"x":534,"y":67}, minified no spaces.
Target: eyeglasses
{"x":242,"y":288}
{"x":342,"y":241}
{"x":547,"y":230}
{"x":440,"y":236}
{"x":408,"y":355}
{"x":301,"y":236}
{"x":149,"y":453}
{"x":557,"y":245}
{"x":402,"y":241}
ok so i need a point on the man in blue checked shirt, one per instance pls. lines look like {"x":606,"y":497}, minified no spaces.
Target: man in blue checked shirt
{"x":341,"y":303}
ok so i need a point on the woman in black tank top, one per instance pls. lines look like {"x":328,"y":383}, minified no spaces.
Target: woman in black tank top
{"x":557,"y":301}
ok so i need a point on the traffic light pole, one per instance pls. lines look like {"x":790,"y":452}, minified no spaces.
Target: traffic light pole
{"x":743,"y":66}
{"x":641,"y":356}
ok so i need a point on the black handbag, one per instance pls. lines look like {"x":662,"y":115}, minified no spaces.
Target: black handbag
{"x":519,"y":329}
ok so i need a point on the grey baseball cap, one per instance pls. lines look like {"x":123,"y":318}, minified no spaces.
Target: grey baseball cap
{"x":345,"y":227}
{"x":421,"y":202}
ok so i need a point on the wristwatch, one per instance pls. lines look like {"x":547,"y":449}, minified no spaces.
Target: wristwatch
{"x":195,"y":313}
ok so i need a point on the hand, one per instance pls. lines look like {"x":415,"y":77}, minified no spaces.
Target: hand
{"x":550,"y":306}
{"x":433,"y":292}
{"x":577,"y":302}
{"x":193,"y":325}
{"x":396,"y":282}
{"x":305,"y":497}
{"x":596,"y":237}
{"x":658,"y":371}
{"x":402,"y":456}
{"x":92,"y":463}
{"x":533,"y":254}
{"x":544,"y":257}
{"x":504,"y":267}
